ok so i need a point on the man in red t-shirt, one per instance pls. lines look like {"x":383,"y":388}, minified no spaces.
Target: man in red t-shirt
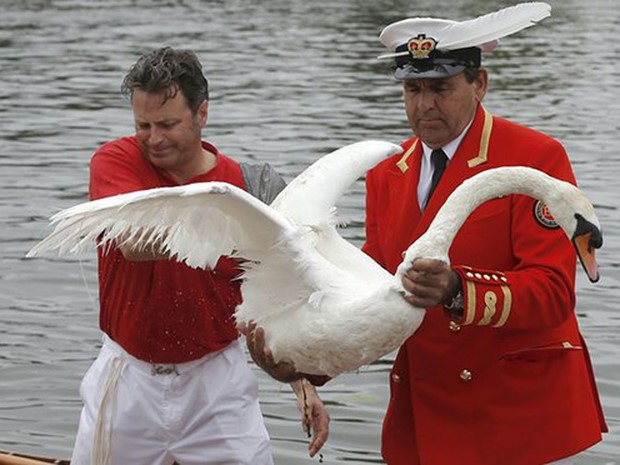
{"x":171,"y":382}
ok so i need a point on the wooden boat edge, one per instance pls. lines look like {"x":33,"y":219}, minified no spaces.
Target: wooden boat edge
{"x":16,"y":458}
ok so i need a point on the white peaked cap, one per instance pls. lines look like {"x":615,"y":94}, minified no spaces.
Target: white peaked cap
{"x":442,"y":30}
{"x":446,"y":36}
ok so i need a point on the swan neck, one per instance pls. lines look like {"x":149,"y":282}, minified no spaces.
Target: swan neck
{"x":473,"y":192}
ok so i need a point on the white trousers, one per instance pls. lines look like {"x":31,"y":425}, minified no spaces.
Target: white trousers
{"x":204,"y":412}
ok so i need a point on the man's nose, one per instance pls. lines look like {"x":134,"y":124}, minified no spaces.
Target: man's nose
{"x":426,"y":100}
{"x":155,"y":135}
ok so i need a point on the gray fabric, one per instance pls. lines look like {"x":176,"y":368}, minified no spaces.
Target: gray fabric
{"x":262,"y":181}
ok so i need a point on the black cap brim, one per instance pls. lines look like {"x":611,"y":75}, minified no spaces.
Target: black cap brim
{"x":436,"y":72}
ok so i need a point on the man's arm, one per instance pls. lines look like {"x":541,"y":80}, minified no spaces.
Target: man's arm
{"x":314,"y":414}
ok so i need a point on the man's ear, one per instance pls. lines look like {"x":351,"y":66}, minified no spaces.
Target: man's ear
{"x":481,"y":83}
{"x":203,"y":113}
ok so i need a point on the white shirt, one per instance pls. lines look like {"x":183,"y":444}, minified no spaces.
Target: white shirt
{"x":427,"y":168}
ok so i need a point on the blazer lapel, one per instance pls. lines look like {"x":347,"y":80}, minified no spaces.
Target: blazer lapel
{"x":404,"y":211}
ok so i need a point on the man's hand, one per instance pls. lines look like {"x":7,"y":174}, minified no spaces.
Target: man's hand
{"x":261,"y":354}
{"x":314,"y":415}
{"x":431,"y":283}
{"x":314,"y":419}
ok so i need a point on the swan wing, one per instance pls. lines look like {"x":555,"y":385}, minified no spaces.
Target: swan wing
{"x":316,"y":260}
{"x":196,"y":223}
{"x":309,"y":201}
{"x":311,"y":197}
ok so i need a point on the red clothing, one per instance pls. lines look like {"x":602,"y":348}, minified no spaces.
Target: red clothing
{"x":512,"y":382}
{"x":161,"y":311}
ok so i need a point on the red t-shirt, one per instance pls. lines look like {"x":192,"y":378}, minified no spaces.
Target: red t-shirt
{"x":162,"y":311}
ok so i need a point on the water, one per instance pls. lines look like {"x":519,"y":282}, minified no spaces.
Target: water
{"x":291,"y":80}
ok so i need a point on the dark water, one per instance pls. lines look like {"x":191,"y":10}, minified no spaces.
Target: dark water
{"x":291,"y":80}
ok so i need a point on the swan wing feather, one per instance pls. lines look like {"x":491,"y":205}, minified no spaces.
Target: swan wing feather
{"x":311,"y":197}
{"x":196,"y":223}
{"x":493,"y":26}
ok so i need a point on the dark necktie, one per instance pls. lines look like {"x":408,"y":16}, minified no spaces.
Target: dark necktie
{"x":439,"y":160}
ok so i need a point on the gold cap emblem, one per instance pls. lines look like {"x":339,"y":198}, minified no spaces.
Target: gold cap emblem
{"x":421,"y":46}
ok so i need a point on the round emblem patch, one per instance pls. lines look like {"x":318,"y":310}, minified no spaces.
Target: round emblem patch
{"x":541,"y":212}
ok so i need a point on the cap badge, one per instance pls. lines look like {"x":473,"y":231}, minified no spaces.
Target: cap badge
{"x":421,"y":46}
{"x":544,"y":217}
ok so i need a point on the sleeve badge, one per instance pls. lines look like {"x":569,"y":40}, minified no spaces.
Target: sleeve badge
{"x":543,"y":216}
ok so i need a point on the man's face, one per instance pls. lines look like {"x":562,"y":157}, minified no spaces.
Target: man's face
{"x":169,"y":134}
{"x":439,"y":109}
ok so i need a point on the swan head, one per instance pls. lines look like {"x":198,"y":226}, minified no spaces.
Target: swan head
{"x":586,"y":238}
{"x":574,"y":213}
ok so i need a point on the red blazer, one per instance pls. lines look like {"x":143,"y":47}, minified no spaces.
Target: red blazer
{"x":511,"y":383}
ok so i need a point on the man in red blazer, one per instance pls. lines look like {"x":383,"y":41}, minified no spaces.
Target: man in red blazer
{"x":498,"y":373}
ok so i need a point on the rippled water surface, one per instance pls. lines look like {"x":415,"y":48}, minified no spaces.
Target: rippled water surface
{"x":291,"y":80}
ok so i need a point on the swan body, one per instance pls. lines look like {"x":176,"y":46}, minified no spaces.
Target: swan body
{"x":324,"y":305}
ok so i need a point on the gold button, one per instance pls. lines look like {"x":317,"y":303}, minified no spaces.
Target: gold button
{"x":396,"y":378}
{"x":454,"y":326}
{"x":466,"y":375}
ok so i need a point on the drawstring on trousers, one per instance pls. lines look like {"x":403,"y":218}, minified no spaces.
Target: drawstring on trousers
{"x":102,"y":441}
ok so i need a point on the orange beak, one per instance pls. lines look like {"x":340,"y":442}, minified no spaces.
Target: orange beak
{"x":586,"y":245}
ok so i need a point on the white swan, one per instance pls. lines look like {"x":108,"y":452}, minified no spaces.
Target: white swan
{"x":324,"y":304}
